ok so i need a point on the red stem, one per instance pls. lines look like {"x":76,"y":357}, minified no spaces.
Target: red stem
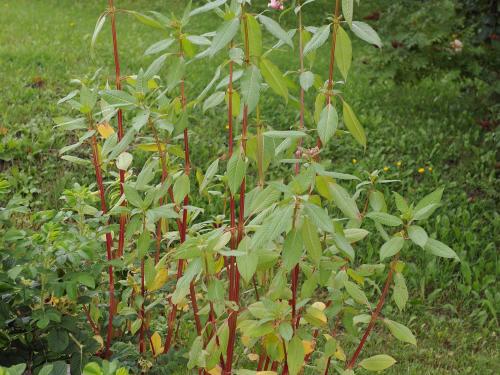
{"x":375,"y":315}
{"x":332,"y":59}
{"x":142,"y":347}
{"x":123,"y":217}
{"x":109,"y":240}
{"x":91,"y":322}
{"x":183,"y":231}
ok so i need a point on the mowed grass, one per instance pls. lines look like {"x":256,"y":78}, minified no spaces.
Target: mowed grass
{"x":428,"y":124}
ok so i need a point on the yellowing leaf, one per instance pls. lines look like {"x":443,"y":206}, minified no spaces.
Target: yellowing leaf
{"x":160,"y":280}
{"x":266,"y":373}
{"x":99,"y":340}
{"x":319,"y":305}
{"x":253,"y":357}
{"x":339,"y":354}
{"x":245,"y":340}
{"x":156,"y":344}
{"x":308,"y":346}
{"x":105,"y":130}
{"x":217,"y":370}
{"x":151,"y":147}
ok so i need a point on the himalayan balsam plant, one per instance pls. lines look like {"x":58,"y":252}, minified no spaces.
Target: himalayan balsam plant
{"x":274,"y":282}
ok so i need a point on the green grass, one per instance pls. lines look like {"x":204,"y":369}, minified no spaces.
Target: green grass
{"x":431,"y":123}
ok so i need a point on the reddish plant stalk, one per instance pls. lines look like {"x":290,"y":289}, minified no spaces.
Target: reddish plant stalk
{"x":183,"y":230}
{"x":123,"y":217}
{"x":298,"y":154}
{"x":109,"y":240}
{"x":375,"y":314}
{"x":91,"y":322}
{"x":332,"y":58}
{"x":142,"y":347}
{"x":233,"y":274}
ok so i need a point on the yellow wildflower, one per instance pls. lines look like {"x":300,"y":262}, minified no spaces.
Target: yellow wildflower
{"x":354,"y":161}
{"x":430,"y":169}
{"x":386,"y":168}
{"x":421,"y":170}
{"x":398,"y":164}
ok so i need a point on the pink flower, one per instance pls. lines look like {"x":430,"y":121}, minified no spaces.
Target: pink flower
{"x":276,"y":4}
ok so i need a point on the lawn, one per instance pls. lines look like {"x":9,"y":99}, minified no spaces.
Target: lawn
{"x":424,"y":133}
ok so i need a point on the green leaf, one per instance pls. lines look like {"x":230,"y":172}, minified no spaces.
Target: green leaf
{"x":213,"y":100}
{"x":347,"y":10}
{"x":211,"y":171}
{"x":160,"y":46}
{"x":432,"y":198}
{"x":400,"y":331}
{"x":285,"y":134}
{"x":391,"y":247}
{"x":181,"y":188}
{"x":225,"y":33}
{"x":296,"y":355}
{"x":377,"y":362}
{"x":400,"y":294}
{"x":143,"y":243}
{"x":250,"y":87}
{"x":275,"y":29}
{"x":274,"y":78}
{"x":119,"y":98}
{"x":46,"y":370}
{"x":343,"y":52}
{"x":236,"y":169}
{"x":385,"y":219}
{"x":154,"y":68}
{"x":292,"y":249}
{"x":58,"y":340}
{"x":311,"y":240}
{"x":353,"y":125}
{"x":377,"y":201}
{"x":98,"y":27}
{"x":440,"y":249}
{"x":344,"y":201}
{"x":207,"y":7}
{"x":175,"y":73}
{"x":149,"y":272}
{"x":124,"y":160}
{"x":364,"y":31}
{"x":86,"y":279}
{"x":247,"y":265}
{"x":355,"y":292}
{"x":15,"y":369}
{"x":418,"y":235}
{"x":401,"y":203}
{"x":426,"y":212}
{"x":306,"y":80}
{"x":182,"y":286}
{"x":254,"y":35}
{"x":148,"y":21}
{"x":123,"y":144}
{"x":133,"y":196}
{"x":318,"y":39}
{"x":135,"y":326}
{"x":328,"y":122}
{"x":146,"y":174}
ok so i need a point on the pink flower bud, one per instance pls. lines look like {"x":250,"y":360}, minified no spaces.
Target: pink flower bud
{"x":276,"y":4}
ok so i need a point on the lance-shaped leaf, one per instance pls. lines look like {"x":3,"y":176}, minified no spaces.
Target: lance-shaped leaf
{"x":377,"y":362}
{"x":119,"y":99}
{"x":418,"y":235}
{"x":355,"y":292}
{"x":274,"y":78}
{"x":250,"y":87}
{"x":225,"y":33}
{"x":247,"y":265}
{"x":385,"y":219}
{"x":328,"y":122}
{"x":344,"y":201}
{"x":391,"y":247}
{"x":181,"y":188}
{"x":400,"y":294}
{"x":311,"y":240}
{"x":440,"y":249}
{"x":343,"y":52}
{"x":275,"y":29}
{"x":213,"y":100}
{"x":318,"y":39}
{"x":160,"y":46}
{"x":211,"y":171}
{"x":182,"y":287}
{"x":364,"y":31}
{"x":207,"y":7}
{"x":292,"y":249}
{"x":353,"y":124}
{"x":254,"y":34}
{"x":296,"y":355}
{"x":236,"y":169}
{"x":400,"y":331}
{"x":347,"y":10}
{"x":306,"y":80}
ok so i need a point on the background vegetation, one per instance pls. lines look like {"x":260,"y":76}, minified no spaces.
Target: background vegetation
{"x":430,"y":110}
